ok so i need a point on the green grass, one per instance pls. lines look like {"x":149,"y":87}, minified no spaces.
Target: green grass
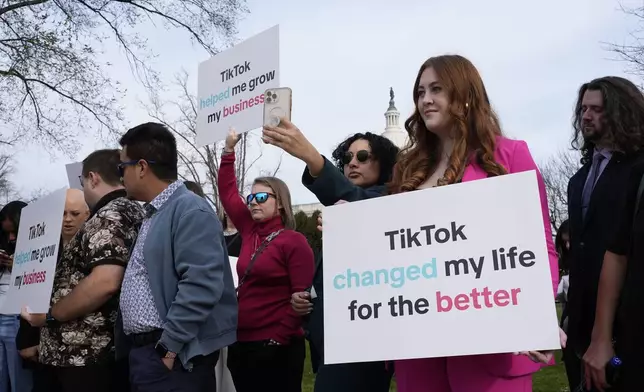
{"x":549,"y":379}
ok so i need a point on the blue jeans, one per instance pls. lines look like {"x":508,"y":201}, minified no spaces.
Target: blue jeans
{"x":13,"y":377}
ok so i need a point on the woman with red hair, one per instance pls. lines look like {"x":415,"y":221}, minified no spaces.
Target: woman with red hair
{"x":455,"y":136}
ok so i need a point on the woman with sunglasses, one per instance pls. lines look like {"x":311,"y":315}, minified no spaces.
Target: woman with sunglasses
{"x":275,"y":261}
{"x":362,"y":165}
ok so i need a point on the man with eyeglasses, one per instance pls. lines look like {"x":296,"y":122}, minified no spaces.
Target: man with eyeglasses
{"x":178,"y":304}
{"x":77,"y":334}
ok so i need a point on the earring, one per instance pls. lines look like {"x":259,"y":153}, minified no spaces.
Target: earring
{"x":467,"y":105}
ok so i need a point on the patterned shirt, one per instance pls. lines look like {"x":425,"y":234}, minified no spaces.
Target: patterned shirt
{"x":138,"y":309}
{"x":106,"y":238}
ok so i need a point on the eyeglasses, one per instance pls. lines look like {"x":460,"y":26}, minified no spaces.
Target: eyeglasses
{"x":362,"y":156}
{"x":122,"y":165}
{"x":259,"y":197}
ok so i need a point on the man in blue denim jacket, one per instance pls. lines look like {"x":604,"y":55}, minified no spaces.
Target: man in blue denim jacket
{"x":178,"y":304}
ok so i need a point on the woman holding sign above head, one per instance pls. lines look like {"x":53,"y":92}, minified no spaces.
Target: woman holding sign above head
{"x":456,"y":137}
{"x":275,"y":261}
{"x":362,"y":166}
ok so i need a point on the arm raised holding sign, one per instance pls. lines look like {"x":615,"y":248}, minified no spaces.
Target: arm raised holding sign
{"x":275,"y":261}
{"x":227,"y":185}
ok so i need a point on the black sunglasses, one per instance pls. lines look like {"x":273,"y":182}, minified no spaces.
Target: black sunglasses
{"x":362,"y":156}
{"x":123,"y":165}
{"x":259,"y":197}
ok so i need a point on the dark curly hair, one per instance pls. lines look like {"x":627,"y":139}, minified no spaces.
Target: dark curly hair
{"x":11,"y":211}
{"x":623,"y":118}
{"x":382,"y":150}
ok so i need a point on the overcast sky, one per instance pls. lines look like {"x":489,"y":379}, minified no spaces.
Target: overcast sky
{"x":341,"y":57}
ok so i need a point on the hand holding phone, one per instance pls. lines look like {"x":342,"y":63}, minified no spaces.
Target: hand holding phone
{"x":301,"y":303}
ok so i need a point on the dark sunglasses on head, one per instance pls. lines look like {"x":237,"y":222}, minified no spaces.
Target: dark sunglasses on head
{"x":362,"y":156}
{"x":259,"y":197}
{"x":123,"y":165}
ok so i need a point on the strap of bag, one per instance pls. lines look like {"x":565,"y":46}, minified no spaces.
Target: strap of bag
{"x":235,"y":236}
{"x":254,"y":257}
{"x":640,"y":191}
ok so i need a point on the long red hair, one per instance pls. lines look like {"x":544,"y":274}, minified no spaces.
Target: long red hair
{"x":475,"y":127}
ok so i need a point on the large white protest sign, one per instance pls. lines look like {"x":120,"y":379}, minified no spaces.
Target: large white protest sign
{"x":231,"y":87}
{"x":34,"y":262}
{"x":74,"y":175}
{"x":448,"y":271}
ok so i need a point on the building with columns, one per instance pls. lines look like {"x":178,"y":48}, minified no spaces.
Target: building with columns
{"x":393,"y":131}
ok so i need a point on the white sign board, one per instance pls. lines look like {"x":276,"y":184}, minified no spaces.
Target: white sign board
{"x":233,"y":268}
{"x":231,"y":87}
{"x":448,"y":271}
{"x":34,"y":262}
{"x":74,"y":175}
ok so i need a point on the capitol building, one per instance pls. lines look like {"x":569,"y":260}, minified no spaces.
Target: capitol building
{"x":393,"y":131}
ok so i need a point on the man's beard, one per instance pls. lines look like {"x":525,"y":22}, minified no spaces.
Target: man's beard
{"x":591,"y":134}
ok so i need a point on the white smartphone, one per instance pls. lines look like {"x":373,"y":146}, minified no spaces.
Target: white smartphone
{"x":277,"y":104}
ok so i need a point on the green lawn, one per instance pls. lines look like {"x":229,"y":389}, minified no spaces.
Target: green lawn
{"x":549,"y":379}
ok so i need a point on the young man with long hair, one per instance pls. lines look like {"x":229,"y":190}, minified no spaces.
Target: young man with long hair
{"x":607,"y":122}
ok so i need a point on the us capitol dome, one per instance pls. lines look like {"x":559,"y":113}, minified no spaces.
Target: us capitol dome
{"x":393,"y":130}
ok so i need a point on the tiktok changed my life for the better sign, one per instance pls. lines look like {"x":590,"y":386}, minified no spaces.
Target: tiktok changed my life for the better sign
{"x":448,"y":271}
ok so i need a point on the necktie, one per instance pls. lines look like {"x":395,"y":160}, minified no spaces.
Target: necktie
{"x":593,"y":175}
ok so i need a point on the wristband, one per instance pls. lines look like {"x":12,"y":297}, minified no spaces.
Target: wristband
{"x":50,"y":320}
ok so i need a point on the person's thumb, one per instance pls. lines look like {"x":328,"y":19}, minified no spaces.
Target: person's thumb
{"x":285,"y":123}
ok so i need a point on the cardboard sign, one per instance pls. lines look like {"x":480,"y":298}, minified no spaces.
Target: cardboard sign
{"x":37,"y":247}
{"x":74,"y":175}
{"x":231,"y":87}
{"x":449,"y":271}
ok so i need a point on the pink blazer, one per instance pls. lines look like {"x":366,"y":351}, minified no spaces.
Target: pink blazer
{"x":515,"y":156}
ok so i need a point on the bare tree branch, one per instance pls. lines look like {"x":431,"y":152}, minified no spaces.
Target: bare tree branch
{"x":633,"y":53}
{"x":200,"y":165}
{"x":15,"y":6}
{"x":36,"y":194}
{"x":7,"y":189}
{"x":556,"y":172}
{"x":54,"y":78}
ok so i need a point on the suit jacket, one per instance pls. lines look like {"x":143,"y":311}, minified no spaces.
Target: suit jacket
{"x":515,"y":157}
{"x":589,"y":239}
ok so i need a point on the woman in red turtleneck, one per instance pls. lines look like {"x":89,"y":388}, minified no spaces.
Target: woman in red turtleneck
{"x":269,"y":354}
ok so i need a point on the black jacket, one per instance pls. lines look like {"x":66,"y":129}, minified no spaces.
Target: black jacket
{"x":589,"y":239}
{"x":329,"y":187}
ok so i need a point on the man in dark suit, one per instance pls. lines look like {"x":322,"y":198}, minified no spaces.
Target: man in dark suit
{"x":609,"y":137}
